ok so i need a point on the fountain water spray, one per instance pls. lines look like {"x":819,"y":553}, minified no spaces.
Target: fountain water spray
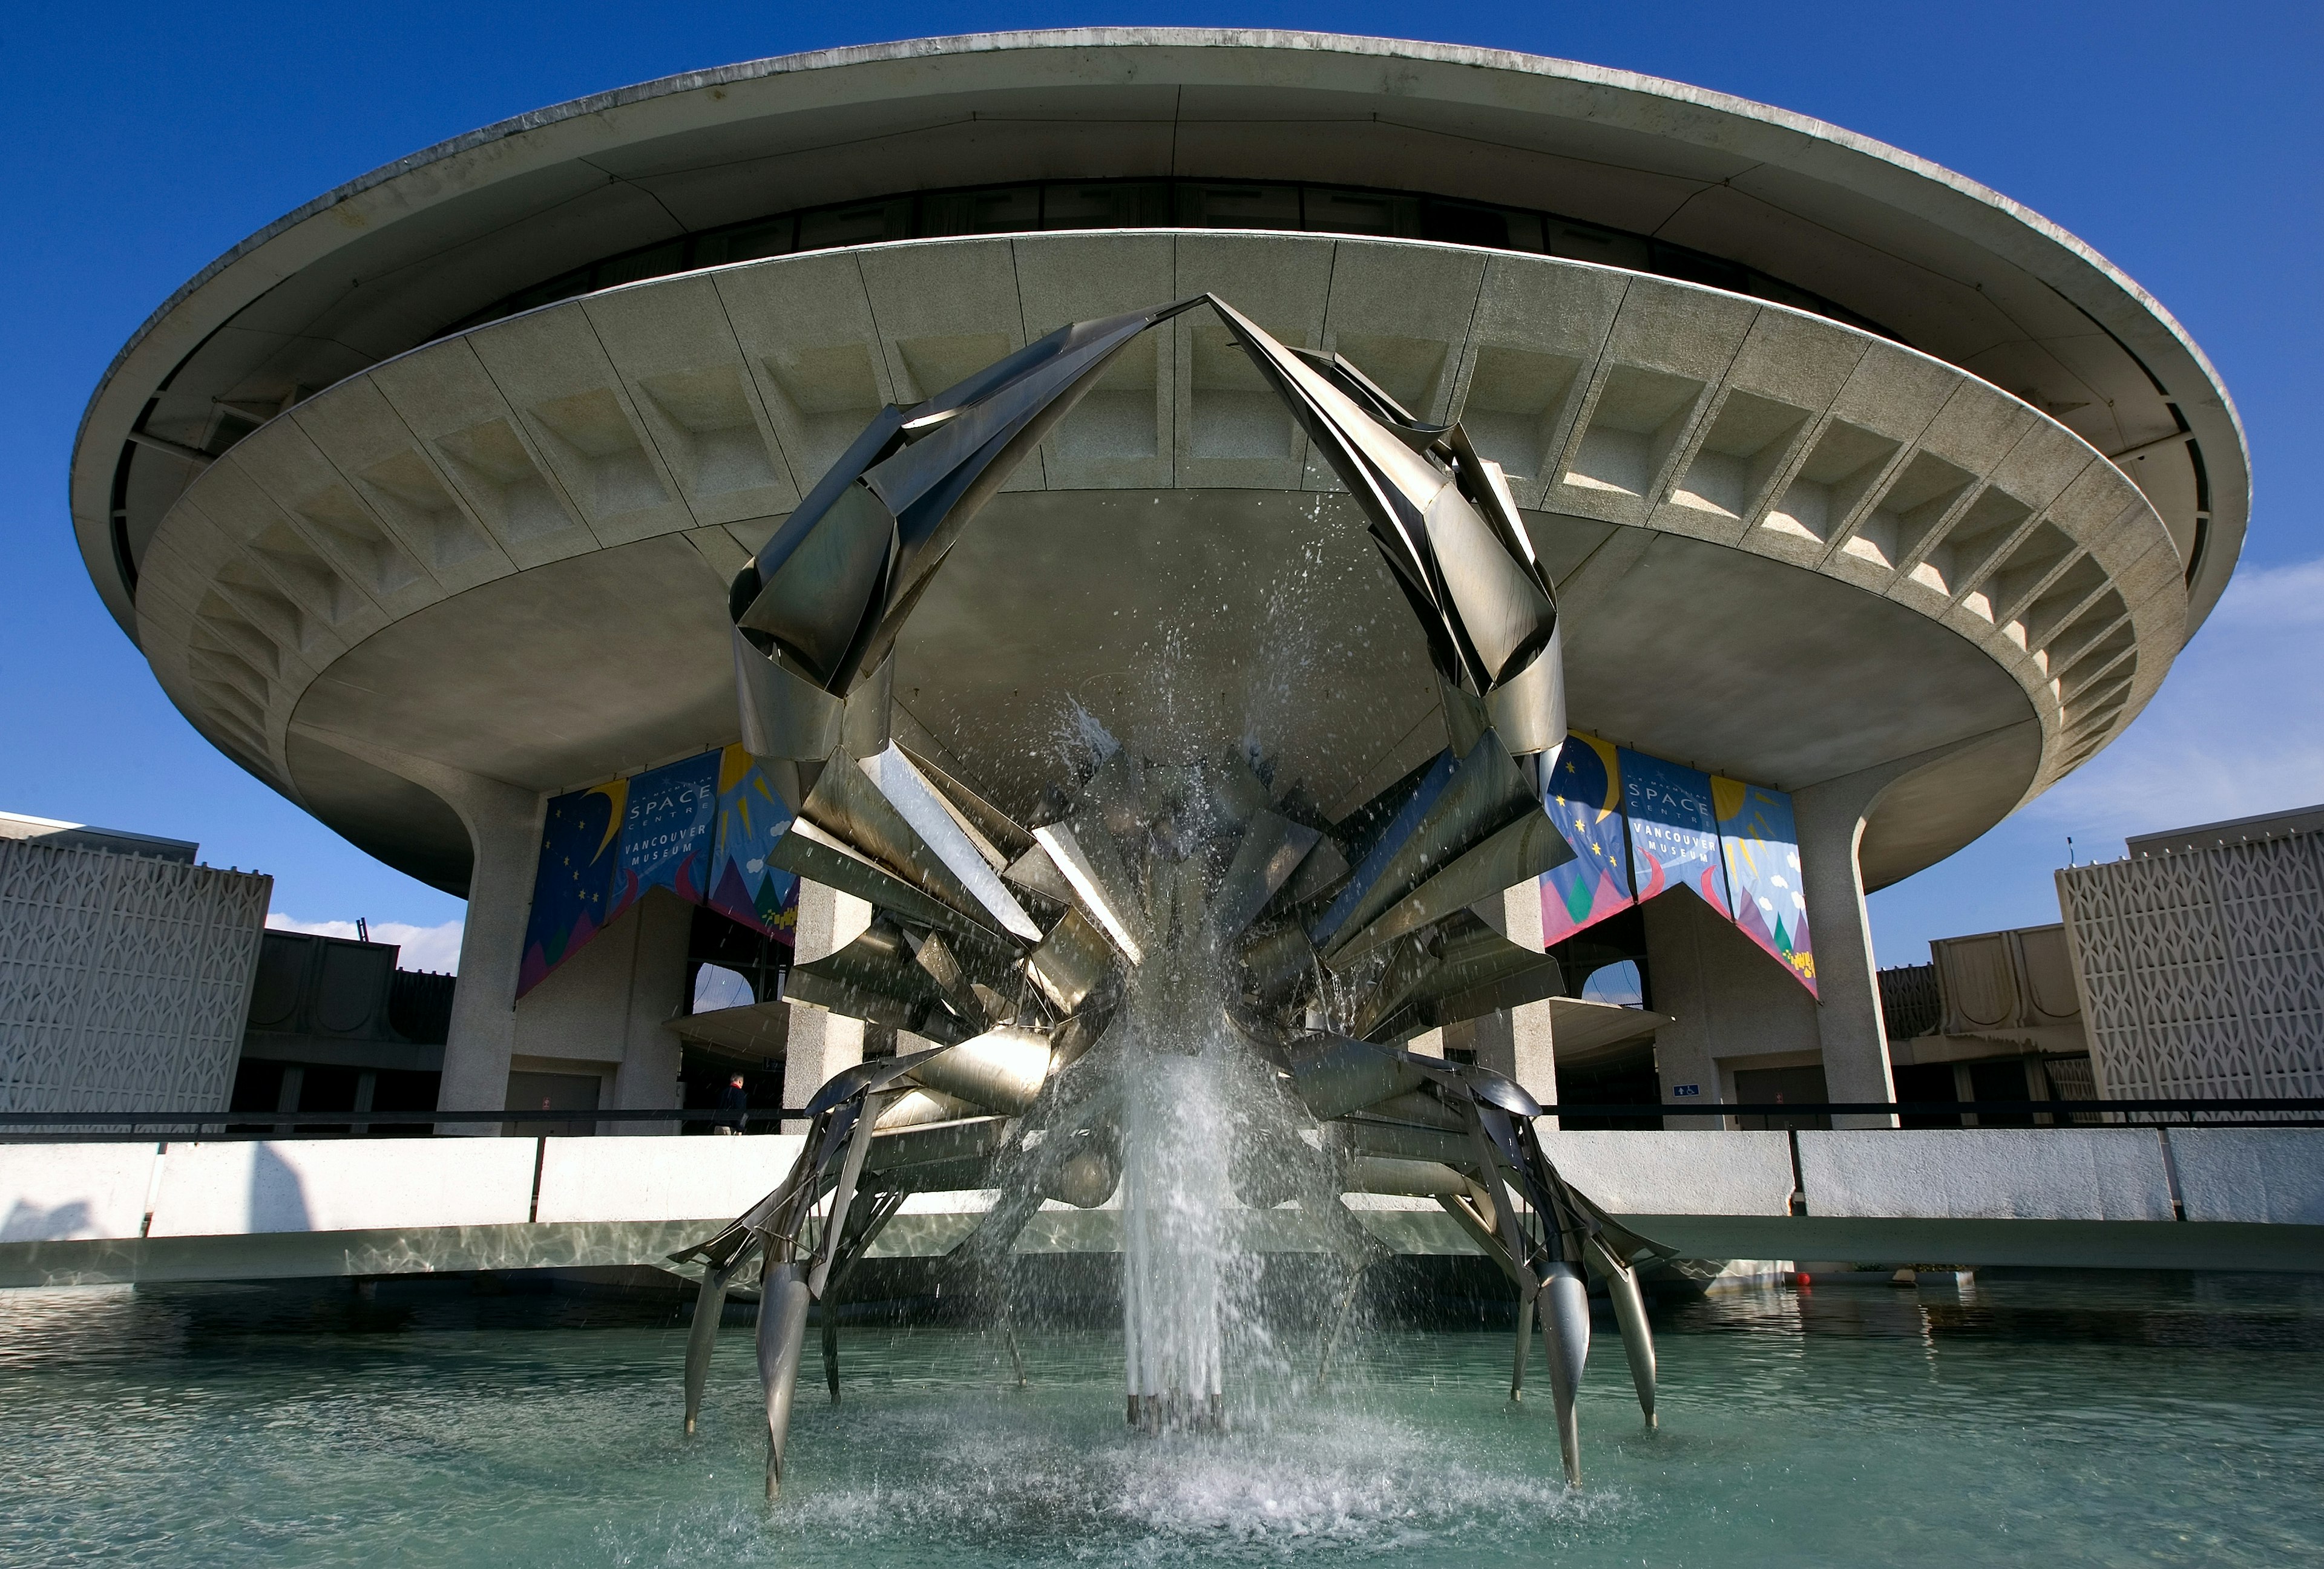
{"x":1175,"y":1247}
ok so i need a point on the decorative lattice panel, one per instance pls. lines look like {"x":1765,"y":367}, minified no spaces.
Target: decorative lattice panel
{"x":1910,"y":1002}
{"x":2205,"y":971}
{"x":124,"y":981}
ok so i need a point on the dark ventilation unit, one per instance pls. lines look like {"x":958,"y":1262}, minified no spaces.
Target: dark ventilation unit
{"x":335,"y":1027}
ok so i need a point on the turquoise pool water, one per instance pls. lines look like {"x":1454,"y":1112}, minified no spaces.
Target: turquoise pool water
{"x":2055,"y":1420}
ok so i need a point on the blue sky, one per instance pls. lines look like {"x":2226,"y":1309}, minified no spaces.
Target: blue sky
{"x":2181,"y":141}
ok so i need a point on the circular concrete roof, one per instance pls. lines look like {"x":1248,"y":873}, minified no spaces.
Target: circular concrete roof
{"x":389,"y":260}
{"x":1788,"y":550}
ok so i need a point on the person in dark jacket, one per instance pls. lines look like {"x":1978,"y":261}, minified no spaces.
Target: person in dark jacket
{"x":735,"y":1101}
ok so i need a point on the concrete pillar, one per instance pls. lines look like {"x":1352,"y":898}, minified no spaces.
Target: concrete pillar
{"x":821,"y":1043}
{"x":1730,"y":1003}
{"x":503,"y":831}
{"x":504,"y":825}
{"x":647,"y":1079}
{"x":1830,"y":818}
{"x":601,"y":1013}
{"x":1520,"y":1043}
{"x":1515,"y":1042}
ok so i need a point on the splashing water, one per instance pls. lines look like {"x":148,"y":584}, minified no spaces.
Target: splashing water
{"x":1195,"y":1115}
{"x":1201,"y":1138}
{"x":1174,"y":1246}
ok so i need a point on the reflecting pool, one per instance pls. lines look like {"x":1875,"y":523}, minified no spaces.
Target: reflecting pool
{"x":2065,"y":1420}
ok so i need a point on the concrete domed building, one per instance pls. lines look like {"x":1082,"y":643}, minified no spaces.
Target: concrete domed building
{"x":1858,"y":483}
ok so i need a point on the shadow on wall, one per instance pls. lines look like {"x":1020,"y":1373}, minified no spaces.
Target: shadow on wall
{"x":278,"y":1196}
{"x":29,"y":1222}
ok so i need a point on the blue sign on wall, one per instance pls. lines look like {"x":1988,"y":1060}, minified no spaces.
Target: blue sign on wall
{"x":1673,"y":829}
{"x":667,"y":832}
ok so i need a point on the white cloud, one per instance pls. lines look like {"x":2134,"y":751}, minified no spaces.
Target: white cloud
{"x":425,"y":948}
{"x":2237,"y":730}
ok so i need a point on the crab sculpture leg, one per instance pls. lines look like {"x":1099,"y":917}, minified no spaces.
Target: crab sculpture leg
{"x":1464,"y":1136}
{"x":1014,"y":946}
{"x":863,"y":1154}
{"x":865,"y":1221}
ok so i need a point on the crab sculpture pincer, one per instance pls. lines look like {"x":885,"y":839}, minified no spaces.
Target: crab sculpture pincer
{"x":1190,"y":893}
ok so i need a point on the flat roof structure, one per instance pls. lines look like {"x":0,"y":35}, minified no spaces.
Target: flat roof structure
{"x":59,"y":835}
{"x":2232,"y":831}
{"x":1846,"y":467}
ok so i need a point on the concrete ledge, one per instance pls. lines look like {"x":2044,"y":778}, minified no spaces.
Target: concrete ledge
{"x":286,"y":1255}
{"x":2267,"y":1175}
{"x":51,"y":1192}
{"x":2043,"y":1244}
{"x":2075,"y":1198}
{"x":2094,"y":1174}
{"x":357,"y":1185}
{"x":312,"y":1255}
{"x":1693,"y":1174}
{"x":651,"y":1179}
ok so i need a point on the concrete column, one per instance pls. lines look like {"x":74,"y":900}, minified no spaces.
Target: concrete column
{"x":1520,"y":1043}
{"x":504,"y":825}
{"x":647,"y":1079}
{"x":502,"y":833}
{"x":1730,"y":1004}
{"x":603,"y":1011}
{"x":821,"y":1043}
{"x":1830,"y":818}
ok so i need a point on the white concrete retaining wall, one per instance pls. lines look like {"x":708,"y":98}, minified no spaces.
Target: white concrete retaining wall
{"x":65,"y":1191}
{"x":2273,"y":1174}
{"x":649,"y":1178}
{"x":2081,"y":1174}
{"x":1677,"y":1174}
{"x":52,"y":1192}
{"x":317,"y":1184}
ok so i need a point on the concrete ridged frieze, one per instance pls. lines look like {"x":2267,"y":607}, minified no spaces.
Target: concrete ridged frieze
{"x":706,"y":404}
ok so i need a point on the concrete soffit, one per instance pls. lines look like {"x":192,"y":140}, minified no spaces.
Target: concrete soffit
{"x":1692,"y":120}
{"x":703,"y":405}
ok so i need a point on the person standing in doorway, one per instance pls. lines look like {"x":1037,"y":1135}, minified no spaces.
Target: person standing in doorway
{"x":735,"y":1101}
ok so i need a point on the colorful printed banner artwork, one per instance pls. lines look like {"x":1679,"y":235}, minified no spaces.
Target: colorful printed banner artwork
{"x":751,"y":817}
{"x":666,"y":832}
{"x":573,"y":879}
{"x":1763,"y":868}
{"x":1673,"y":829}
{"x":1583,"y":796}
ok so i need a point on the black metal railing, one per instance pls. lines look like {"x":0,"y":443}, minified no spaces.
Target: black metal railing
{"x":2212,"y":1112}
{"x":2248,"y":1111}
{"x":22,"y":1126}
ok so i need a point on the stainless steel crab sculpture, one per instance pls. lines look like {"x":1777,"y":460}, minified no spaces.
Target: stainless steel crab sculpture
{"x":1013,"y":947}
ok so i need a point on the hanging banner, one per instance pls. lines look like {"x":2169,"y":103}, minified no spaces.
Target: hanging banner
{"x":666,"y":832}
{"x":1673,"y":829}
{"x":1762,"y":850}
{"x":573,"y":880}
{"x":751,"y":817}
{"x":1583,"y":796}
